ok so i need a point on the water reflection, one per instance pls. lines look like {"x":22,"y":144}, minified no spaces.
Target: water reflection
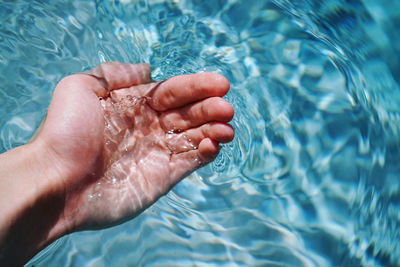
{"x":311,"y":178}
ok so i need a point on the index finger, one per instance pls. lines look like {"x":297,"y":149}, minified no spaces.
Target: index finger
{"x":185,"y":89}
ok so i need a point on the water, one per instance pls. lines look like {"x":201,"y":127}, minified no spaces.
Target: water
{"x":312,"y":177}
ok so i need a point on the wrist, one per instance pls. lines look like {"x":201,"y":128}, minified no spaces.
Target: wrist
{"x":31,"y":203}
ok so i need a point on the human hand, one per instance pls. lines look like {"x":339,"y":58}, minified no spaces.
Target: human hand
{"x":120,"y":141}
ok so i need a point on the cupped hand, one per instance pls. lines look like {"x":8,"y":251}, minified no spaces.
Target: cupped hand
{"x":119,"y":141}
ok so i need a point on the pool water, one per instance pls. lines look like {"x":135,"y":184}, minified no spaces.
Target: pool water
{"x":313,"y":175}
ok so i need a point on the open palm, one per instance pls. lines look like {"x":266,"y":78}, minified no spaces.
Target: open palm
{"x":120,"y":141}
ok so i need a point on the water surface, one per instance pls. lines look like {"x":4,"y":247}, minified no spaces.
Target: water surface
{"x":312,"y":177}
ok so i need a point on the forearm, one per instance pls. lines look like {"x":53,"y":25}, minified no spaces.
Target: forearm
{"x":30,"y":205}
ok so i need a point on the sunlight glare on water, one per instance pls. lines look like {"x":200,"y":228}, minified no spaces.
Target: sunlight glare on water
{"x":312,"y":177}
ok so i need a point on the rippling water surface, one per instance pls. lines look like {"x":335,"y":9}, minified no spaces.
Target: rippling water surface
{"x":313,"y":175}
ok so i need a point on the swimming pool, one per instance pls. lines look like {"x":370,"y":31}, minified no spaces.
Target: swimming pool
{"x":312,"y":177}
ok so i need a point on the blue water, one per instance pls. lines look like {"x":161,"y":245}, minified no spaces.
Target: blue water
{"x":313,"y":175}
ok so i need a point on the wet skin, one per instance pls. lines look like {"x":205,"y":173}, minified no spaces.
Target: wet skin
{"x":112,"y":143}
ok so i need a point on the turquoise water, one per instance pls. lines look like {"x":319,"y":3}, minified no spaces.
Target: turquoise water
{"x":313,"y":175}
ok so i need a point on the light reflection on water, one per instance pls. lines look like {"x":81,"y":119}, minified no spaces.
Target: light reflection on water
{"x":311,"y":178}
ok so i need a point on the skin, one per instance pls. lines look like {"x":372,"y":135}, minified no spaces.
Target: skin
{"x":113,"y":142}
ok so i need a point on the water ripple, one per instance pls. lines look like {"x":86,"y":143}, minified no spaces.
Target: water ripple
{"x":311,"y":178}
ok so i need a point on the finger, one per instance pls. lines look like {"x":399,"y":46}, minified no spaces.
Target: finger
{"x":115,"y":75}
{"x":208,"y":150}
{"x":219,"y":132}
{"x":183,"y":164}
{"x":191,"y":139}
{"x":185,"y":89}
{"x":193,"y":115}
